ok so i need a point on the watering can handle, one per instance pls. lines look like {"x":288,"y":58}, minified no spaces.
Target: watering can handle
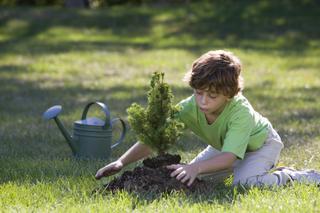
{"x":105,"y":110}
{"x":124,"y":131}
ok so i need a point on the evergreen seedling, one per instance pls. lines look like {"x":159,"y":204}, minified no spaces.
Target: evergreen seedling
{"x":156,"y":125}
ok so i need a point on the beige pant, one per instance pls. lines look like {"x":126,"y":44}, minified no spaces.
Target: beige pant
{"x":254,"y":169}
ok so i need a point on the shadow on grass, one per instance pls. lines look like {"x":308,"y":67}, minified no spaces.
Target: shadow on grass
{"x":216,"y":193}
{"x":134,"y":20}
{"x":287,"y":24}
{"x":259,"y":25}
{"x":33,"y":99}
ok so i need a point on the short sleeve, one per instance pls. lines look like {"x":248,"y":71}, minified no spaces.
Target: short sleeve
{"x":238,"y":134}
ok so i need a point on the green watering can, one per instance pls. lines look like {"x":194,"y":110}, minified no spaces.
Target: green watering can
{"x":92,"y":137}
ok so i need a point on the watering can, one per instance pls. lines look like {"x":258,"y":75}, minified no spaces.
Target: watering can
{"x":92,"y":137}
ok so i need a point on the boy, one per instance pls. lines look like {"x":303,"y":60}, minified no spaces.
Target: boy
{"x":239,"y":139}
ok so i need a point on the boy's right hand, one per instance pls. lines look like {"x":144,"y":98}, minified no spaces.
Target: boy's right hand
{"x":110,"y":169}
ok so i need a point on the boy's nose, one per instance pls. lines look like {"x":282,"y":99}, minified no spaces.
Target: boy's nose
{"x":203,"y":100}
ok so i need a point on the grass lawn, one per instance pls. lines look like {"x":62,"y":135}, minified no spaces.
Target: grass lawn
{"x":54,"y":56}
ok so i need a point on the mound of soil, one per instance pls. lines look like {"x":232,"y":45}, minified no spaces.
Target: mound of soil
{"x":152,"y":177}
{"x":161,"y":160}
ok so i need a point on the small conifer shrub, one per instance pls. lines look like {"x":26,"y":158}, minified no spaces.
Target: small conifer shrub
{"x":156,"y":125}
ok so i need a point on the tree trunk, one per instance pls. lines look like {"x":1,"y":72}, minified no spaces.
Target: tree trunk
{"x":76,"y":3}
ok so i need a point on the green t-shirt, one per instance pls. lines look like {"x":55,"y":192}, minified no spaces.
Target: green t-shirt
{"x":238,"y":129}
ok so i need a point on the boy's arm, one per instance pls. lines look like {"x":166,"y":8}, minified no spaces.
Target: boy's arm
{"x":191,"y":171}
{"x":135,"y":153}
{"x":217,"y":163}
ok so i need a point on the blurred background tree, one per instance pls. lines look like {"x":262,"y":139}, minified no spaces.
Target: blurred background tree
{"x":85,"y":3}
{"x":108,"y":3}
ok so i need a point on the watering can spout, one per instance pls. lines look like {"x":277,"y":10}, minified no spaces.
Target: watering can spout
{"x":53,"y":112}
{"x":67,"y":136}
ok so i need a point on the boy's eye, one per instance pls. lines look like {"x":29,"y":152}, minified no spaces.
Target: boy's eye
{"x":199,"y":92}
{"x":212,"y":96}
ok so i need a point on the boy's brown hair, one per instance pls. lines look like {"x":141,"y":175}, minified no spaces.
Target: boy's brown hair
{"x":217,"y":71}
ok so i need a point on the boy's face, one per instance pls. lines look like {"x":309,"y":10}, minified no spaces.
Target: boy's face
{"x":209,"y":102}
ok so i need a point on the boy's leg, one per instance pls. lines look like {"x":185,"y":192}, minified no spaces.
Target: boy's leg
{"x":254,"y":169}
{"x":207,"y":153}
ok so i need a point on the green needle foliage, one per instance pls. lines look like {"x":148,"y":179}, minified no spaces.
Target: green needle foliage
{"x":156,"y":125}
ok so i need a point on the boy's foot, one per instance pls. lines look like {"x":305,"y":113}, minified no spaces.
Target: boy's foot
{"x":308,"y":176}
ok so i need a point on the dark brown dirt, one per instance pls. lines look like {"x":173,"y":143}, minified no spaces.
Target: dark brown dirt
{"x":152,"y":177}
{"x":161,"y":160}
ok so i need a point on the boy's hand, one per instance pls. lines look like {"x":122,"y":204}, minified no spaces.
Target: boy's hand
{"x":184,"y":172}
{"x":110,"y":169}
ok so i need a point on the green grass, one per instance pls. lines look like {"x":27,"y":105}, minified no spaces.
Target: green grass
{"x":54,"y":56}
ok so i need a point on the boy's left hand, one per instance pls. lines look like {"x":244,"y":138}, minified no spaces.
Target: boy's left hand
{"x":184,"y":172}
